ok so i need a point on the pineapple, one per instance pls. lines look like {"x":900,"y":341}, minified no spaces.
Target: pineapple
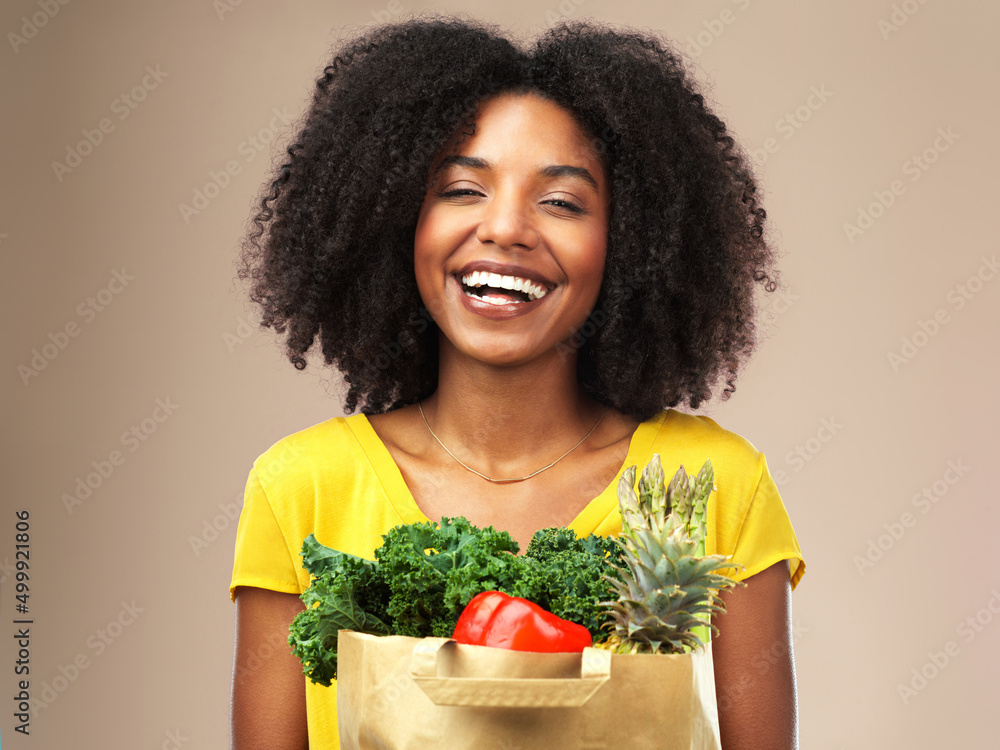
{"x":670,"y":586}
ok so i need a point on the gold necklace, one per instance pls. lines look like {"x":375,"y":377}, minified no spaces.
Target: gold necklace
{"x":506,"y":481}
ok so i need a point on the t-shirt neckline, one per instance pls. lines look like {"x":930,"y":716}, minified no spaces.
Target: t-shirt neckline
{"x":587,"y":520}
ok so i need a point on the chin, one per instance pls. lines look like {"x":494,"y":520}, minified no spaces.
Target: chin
{"x":498,"y":355}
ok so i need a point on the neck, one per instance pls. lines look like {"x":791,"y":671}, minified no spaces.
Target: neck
{"x":509,"y":421}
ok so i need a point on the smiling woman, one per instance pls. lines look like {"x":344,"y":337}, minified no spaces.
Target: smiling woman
{"x":520,"y":260}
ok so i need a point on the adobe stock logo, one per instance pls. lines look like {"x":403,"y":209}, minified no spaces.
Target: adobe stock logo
{"x":123,"y":106}
{"x":900,"y":16}
{"x":105,"y":467}
{"x":713,"y":29}
{"x":937,"y":661}
{"x":42,"y":356}
{"x":790,"y":123}
{"x":219,"y":179}
{"x":879,"y":544}
{"x":958,"y":296}
{"x":48,"y":9}
{"x":915,"y":167}
{"x":801,"y":454}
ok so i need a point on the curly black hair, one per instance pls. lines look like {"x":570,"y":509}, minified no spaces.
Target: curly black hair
{"x":330,"y":251}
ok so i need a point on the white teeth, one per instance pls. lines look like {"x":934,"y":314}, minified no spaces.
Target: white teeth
{"x":498,"y":301}
{"x":495,"y":280}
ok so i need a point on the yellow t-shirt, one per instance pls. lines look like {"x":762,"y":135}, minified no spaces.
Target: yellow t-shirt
{"x":338,"y":481}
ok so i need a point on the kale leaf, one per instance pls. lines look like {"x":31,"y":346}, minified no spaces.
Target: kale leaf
{"x":566,"y":575}
{"x":346,"y":593}
{"x":434,"y":570}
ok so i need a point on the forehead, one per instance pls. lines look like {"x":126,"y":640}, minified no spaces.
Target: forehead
{"x":527,"y":126}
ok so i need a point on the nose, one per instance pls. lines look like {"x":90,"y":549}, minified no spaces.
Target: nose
{"x":507,"y":221}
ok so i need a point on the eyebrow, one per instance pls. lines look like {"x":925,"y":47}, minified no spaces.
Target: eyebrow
{"x":553,"y":170}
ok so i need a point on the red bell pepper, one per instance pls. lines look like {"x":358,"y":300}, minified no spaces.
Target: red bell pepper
{"x":493,"y":618}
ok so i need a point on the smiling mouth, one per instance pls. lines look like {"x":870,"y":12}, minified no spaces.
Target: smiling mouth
{"x":495,"y":289}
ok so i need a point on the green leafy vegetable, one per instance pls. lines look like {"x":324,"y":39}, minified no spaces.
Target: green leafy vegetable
{"x":433,"y":571}
{"x":565,"y":575}
{"x":424,"y":575}
{"x":346,"y":593}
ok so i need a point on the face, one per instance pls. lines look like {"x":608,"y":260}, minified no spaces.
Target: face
{"x":510,"y":243}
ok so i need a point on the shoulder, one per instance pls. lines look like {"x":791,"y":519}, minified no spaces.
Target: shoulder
{"x":330,"y":449}
{"x":304,"y":483}
{"x":747,"y":518}
{"x":740,"y":470}
{"x":690,"y":440}
{"x":729,"y":451}
{"x":321,"y":480}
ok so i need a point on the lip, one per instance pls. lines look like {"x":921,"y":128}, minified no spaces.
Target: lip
{"x":506,"y":269}
{"x":494,"y":312}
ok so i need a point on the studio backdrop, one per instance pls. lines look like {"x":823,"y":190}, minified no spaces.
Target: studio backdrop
{"x":140,"y":388}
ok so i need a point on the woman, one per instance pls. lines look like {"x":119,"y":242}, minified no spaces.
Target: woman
{"x":518,"y":260}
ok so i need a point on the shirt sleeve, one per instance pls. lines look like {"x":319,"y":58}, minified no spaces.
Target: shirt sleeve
{"x":766,"y":535}
{"x":262,"y":556}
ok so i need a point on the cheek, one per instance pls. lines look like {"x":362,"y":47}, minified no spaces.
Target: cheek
{"x":420,"y":236}
{"x":430,"y":252}
{"x":592,"y":266}
{"x":424,"y":244}
{"x":597,"y":261}
{"x":434,"y":238}
{"x":592,"y":259}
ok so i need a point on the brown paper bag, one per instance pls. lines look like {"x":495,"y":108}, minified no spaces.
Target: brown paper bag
{"x":401,"y":693}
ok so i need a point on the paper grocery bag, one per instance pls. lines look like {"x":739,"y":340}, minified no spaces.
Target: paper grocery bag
{"x":401,"y":693}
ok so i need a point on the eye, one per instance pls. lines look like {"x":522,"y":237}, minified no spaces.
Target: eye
{"x":459,"y":193}
{"x":567,"y":205}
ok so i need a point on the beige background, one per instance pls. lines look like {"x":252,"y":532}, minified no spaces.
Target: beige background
{"x":181,"y":331}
